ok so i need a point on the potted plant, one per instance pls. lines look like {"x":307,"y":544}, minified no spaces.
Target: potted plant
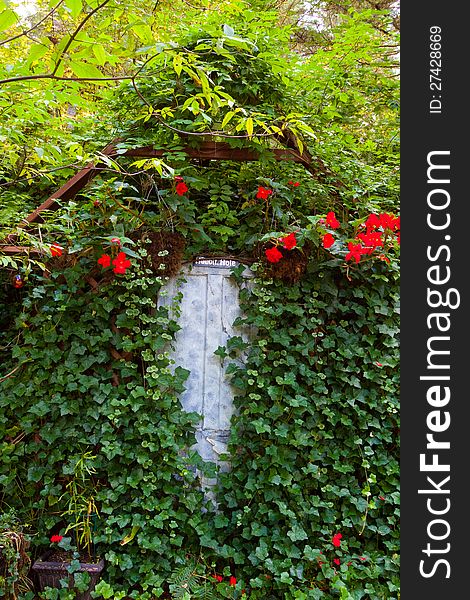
{"x":73,"y":563}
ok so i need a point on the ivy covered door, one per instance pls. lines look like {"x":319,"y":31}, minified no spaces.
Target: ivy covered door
{"x":208,"y":309}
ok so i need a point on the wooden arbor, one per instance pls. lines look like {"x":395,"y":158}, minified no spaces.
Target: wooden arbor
{"x":207,"y":150}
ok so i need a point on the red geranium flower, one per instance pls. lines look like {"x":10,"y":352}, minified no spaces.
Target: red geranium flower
{"x":289,"y":241}
{"x":218,"y":577}
{"x":355,"y":251}
{"x":181,"y":188}
{"x":121,"y":263}
{"x":328,"y":240}
{"x":273,"y":255}
{"x":56,"y":538}
{"x":105,"y":261}
{"x":336,"y":561}
{"x":387,"y":221}
{"x":331,"y":220}
{"x":372,"y":222}
{"x":263,"y":192}
{"x":233,"y":580}
{"x":336,"y":540}
{"x":56,"y":250}
{"x":294,"y":183}
{"x":372,"y":240}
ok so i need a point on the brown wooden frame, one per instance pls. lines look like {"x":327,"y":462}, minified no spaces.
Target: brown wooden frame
{"x":208,"y":150}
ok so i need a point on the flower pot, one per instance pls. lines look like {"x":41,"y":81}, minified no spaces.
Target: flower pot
{"x":49,"y":572}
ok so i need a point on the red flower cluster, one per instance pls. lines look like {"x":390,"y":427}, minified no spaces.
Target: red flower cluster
{"x":56,"y":538}
{"x":232,"y":580}
{"x":289,"y":242}
{"x":336,"y":541}
{"x":355,"y":251}
{"x":181,"y":187}
{"x":263,"y":193}
{"x":328,"y":240}
{"x":384,"y":220}
{"x":273,"y":255}
{"x":378,"y":228}
{"x":332,"y":221}
{"x":105,"y":261}
{"x":121,"y":262}
{"x":294,"y":183}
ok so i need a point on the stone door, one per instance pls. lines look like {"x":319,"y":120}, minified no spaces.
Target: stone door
{"x":208,"y":309}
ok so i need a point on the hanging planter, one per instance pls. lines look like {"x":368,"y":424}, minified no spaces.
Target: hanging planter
{"x":289,"y":265}
{"x":54,"y":565}
{"x":165,"y":251}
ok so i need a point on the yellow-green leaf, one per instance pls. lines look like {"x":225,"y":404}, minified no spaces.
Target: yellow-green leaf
{"x":249,"y":126}
{"x":36,"y":52}
{"x":143,"y":32}
{"x":85,"y":70}
{"x":7,"y":19}
{"x":99,"y":53}
{"x":178,"y":64}
{"x":130,"y":536}
{"x":74,"y":6}
{"x":227,"y":118}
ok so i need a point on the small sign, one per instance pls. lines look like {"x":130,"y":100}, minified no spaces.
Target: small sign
{"x":201,"y":261}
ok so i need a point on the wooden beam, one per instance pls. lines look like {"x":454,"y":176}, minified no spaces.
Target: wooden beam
{"x":208,"y":150}
{"x":19,"y":250}
{"x":66,"y":192}
{"x":69,"y":189}
{"x":217,"y":151}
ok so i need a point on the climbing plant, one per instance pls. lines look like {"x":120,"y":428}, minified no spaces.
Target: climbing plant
{"x":312,"y":501}
{"x":310,"y":506}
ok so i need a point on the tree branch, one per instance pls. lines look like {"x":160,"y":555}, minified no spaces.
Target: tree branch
{"x":76,"y":32}
{"x":9,"y":374}
{"x":15,"y":37}
{"x":59,"y":78}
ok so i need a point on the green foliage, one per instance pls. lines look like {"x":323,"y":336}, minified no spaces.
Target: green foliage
{"x":86,"y":352}
{"x":14,"y":559}
{"x":80,"y":390}
{"x":315,"y":443}
{"x":79,"y":496}
{"x":314,"y":448}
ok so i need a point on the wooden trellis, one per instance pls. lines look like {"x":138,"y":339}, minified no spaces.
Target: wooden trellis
{"x":207,"y":150}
